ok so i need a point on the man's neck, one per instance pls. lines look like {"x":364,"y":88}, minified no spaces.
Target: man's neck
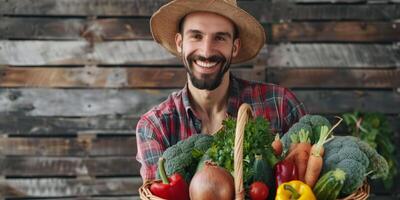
{"x":207,"y":101}
{"x":210,"y":106}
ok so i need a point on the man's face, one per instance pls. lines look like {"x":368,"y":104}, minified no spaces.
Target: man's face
{"x":207,"y":46}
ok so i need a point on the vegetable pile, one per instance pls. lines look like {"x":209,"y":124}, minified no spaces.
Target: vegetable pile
{"x":308,"y":162}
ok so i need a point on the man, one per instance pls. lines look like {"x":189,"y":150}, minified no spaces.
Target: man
{"x":208,"y":35}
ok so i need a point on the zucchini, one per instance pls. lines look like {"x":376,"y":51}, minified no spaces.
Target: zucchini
{"x":329,"y":185}
{"x":262,"y":171}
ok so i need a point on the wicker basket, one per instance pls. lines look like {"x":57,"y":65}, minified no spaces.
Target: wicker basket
{"x":243,"y":116}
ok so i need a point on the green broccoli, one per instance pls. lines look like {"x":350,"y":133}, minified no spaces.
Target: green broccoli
{"x":378,"y":165}
{"x":295,"y":129}
{"x":355,"y":175}
{"x":184,"y":156}
{"x":306,"y":119}
{"x":345,"y":155}
{"x":354,"y":157}
{"x":316,"y":122}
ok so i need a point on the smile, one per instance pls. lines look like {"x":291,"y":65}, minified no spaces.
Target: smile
{"x":205,"y":64}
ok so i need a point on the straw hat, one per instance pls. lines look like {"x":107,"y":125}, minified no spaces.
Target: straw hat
{"x":164,"y":24}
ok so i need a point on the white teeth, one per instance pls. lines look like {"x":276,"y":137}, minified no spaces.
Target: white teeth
{"x":205,"y":64}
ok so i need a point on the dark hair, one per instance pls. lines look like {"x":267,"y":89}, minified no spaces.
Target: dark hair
{"x":235,"y":28}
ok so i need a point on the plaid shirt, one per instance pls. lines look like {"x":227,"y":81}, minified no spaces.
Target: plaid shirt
{"x":174,"y":119}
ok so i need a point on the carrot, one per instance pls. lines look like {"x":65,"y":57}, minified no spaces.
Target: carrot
{"x":300,"y":153}
{"x":277,"y":145}
{"x":315,"y":161}
{"x":295,"y":140}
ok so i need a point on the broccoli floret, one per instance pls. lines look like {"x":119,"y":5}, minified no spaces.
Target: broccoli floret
{"x":306,"y":119}
{"x":355,"y":175}
{"x":184,"y":156}
{"x":354,"y":154}
{"x":295,"y":129}
{"x":203,"y":143}
{"x":345,"y":154}
{"x":317,"y":121}
{"x":378,"y":165}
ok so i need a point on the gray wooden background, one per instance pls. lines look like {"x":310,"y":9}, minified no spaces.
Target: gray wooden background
{"x":75,"y":75}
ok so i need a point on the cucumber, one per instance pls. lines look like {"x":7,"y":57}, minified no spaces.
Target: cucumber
{"x":262,"y":171}
{"x":329,"y":185}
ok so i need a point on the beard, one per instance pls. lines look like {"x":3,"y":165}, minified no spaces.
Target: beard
{"x":206,"y":81}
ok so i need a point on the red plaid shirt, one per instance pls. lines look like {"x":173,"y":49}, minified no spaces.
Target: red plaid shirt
{"x":174,"y":120}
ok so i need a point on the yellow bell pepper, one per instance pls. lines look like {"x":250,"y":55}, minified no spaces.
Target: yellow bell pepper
{"x":294,"y":190}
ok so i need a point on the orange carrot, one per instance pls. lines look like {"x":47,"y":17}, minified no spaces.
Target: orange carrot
{"x":300,"y":154}
{"x":277,"y":145}
{"x":315,"y":161}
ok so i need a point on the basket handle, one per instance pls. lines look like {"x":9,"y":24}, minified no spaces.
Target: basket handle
{"x":243,"y":116}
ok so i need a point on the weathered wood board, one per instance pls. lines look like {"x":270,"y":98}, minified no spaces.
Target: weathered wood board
{"x":264,"y":11}
{"x":334,"y":78}
{"x":64,"y":187}
{"x":18,"y":125}
{"x":68,"y":166}
{"x":77,"y":147}
{"x":106,"y":77}
{"x":104,"y":29}
{"x":81,"y":102}
{"x":140,"y":52}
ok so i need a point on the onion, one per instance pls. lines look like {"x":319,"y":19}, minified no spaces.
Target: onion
{"x":212,"y":182}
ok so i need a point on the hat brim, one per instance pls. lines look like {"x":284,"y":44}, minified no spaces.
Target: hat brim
{"x":251,"y":33}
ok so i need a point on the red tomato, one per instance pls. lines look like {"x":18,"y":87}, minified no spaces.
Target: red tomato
{"x":258,"y":191}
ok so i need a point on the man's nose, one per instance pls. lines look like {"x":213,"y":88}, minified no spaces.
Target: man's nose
{"x":207,"y":47}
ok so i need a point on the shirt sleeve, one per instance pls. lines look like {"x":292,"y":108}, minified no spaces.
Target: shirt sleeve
{"x":149,"y":148}
{"x":293,"y":109}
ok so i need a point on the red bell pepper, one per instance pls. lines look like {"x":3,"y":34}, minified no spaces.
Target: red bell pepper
{"x":285,"y":171}
{"x":172,"y":188}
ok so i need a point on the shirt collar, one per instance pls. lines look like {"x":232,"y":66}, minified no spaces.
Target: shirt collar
{"x":233,"y":98}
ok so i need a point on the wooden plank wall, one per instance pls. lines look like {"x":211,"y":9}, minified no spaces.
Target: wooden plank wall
{"x":75,"y":75}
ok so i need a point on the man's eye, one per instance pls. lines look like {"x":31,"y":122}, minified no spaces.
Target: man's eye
{"x":198,"y":36}
{"x":219,"y":38}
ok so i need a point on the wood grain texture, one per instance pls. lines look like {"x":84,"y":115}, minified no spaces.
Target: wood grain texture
{"x":140,"y":52}
{"x":336,"y":32}
{"x":334,"y":78}
{"x":264,"y":11}
{"x":80,"y":7}
{"x":78,"y":102}
{"x":96,"y":30}
{"x":285,"y":11}
{"x":17,"y":125}
{"x":67,"y":147}
{"x":69,"y":166}
{"x":64,"y":187}
{"x":54,"y":102}
{"x":331,"y":55}
{"x":106,"y":77}
{"x":74,"y":28}
{"x":337,"y":101}
{"x":83,"y":52}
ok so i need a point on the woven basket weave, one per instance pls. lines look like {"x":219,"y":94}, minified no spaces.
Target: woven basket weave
{"x":244,"y":114}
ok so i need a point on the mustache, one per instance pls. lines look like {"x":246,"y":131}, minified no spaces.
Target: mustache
{"x":213,"y":58}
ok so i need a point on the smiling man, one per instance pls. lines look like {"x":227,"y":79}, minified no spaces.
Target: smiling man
{"x":208,"y":35}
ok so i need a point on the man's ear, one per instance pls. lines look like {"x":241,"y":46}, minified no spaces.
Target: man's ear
{"x":236,"y":47}
{"x":178,"y":42}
